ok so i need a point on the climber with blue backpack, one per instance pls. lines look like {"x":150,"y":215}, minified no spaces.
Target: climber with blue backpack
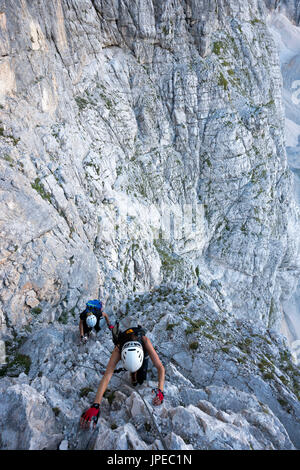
{"x":133,"y":348}
{"x":90,"y":318}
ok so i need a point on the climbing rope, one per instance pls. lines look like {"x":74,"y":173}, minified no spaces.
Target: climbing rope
{"x":151,"y":417}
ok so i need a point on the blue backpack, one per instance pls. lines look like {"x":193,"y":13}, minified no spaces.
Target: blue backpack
{"x":94,"y":306}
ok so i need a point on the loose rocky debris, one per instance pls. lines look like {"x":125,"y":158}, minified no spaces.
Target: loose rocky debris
{"x":173,"y":107}
{"x":230,"y":384}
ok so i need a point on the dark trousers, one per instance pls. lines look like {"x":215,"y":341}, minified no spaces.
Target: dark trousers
{"x":142,"y":372}
{"x":87,"y":330}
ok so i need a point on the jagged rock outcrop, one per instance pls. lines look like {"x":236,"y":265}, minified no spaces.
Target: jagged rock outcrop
{"x":31,"y":423}
{"x":287,"y":38}
{"x":230,"y":384}
{"x":143,"y":143}
{"x":289,"y":8}
{"x":115,"y":114}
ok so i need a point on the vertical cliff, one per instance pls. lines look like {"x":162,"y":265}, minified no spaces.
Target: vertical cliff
{"x":286,"y":35}
{"x":117,"y":117}
{"x":142,"y":144}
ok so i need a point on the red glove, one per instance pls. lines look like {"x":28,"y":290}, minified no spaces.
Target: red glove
{"x":159,"y":396}
{"x":92,"y":414}
{"x":111,"y":327}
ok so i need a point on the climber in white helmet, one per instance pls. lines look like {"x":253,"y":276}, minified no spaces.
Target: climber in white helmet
{"x":91,"y":318}
{"x":133,"y":348}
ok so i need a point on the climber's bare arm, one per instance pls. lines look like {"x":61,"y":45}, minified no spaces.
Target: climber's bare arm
{"x":114,"y":359}
{"x":106,"y":318}
{"x":156,"y":362}
{"x":81,"y":328}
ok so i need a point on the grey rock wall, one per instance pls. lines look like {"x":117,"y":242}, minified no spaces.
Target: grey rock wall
{"x":290,"y":8}
{"x":142,"y":143}
{"x":287,"y":38}
{"x":112,"y":109}
{"x":230,"y":384}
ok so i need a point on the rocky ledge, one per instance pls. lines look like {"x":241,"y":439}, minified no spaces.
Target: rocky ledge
{"x":230,"y":384}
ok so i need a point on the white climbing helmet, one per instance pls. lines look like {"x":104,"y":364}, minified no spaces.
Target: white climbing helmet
{"x":91,"y":320}
{"x":132,"y":355}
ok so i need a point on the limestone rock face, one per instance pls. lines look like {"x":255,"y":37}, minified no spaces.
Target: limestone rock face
{"x":289,"y":8}
{"x":142,"y":145}
{"x":230,"y":384}
{"x":30,"y":421}
{"x":287,"y":38}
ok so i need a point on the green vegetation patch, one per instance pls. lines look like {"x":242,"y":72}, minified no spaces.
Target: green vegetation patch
{"x":20,"y":363}
{"x":109,"y":395}
{"x":85,"y":391}
{"x":36,"y":310}
{"x":222,"y":81}
{"x":170,"y":326}
{"x":15,"y":140}
{"x":171,"y":263}
{"x":39,"y":188}
{"x":218,"y":47}
{"x":82,"y":103}
{"x":195,"y":325}
{"x":56,"y":411}
{"x":8,"y":159}
{"x":256,"y":21}
{"x":63,"y":318}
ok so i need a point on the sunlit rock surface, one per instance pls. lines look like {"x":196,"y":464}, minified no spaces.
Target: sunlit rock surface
{"x":143,"y":144}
